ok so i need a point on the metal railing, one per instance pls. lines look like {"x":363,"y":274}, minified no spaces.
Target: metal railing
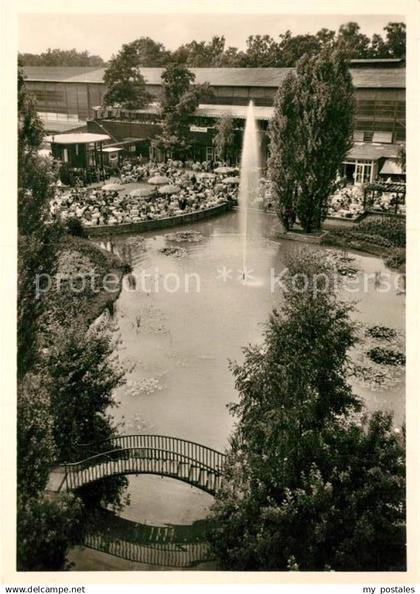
{"x":184,"y":460}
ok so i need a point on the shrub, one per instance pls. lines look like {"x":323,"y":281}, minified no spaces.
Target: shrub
{"x":390,"y":228}
{"x":396,"y":259}
{"x":75,"y":227}
{"x":66,"y":175}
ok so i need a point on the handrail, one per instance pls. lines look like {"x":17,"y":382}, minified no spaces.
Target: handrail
{"x":108,"y":455}
{"x":144,"y":435}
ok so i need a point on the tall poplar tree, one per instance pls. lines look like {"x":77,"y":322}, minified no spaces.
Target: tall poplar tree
{"x":310,"y":135}
{"x":224,"y":138}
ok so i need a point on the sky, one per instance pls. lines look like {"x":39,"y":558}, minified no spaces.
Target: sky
{"x":103,"y":34}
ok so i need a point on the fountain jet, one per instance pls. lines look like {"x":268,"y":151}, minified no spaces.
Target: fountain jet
{"x":250,"y":176}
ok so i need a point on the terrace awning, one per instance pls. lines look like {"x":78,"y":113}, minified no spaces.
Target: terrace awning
{"x":391,"y":167}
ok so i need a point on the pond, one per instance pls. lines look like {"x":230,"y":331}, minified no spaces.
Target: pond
{"x":177,"y":330}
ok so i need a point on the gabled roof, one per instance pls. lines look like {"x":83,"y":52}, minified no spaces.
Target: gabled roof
{"x":229,"y":77}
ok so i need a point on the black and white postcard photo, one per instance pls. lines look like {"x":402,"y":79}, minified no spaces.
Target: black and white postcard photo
{"x":210,"y":268}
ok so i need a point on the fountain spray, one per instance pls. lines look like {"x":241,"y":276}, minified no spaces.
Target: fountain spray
{"x":250,"y":176}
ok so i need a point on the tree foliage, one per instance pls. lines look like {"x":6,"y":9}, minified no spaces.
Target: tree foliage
{"x":224,"y":138}
{"x":200,"y":54}
{"x":124,"y":82}
{"x":37,"y":241}
{"x":310,"y":484}
{"x":82,"y":377}
{"x":179,"y":101}
{"x":59,"y":57}
{"x":45,"y":531}
{"x":35,"y":441}
{"x":306,"y":144}
{"x":261,"y":50}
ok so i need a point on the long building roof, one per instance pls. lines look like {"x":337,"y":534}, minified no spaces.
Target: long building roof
{"x":393,"y":78}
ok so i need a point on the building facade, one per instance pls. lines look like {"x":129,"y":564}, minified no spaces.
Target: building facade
{"x":70,"y":97}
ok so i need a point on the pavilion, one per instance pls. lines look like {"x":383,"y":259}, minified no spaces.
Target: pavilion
{"x":79,"y":149}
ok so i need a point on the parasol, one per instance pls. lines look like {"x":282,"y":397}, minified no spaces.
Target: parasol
{"x":112,"y":188}
{"x":158,"y":180}
{"x":141,"y":192}
{"x":169,"y":189}
{"x":230,"y":180}
{"x":224,"y":170}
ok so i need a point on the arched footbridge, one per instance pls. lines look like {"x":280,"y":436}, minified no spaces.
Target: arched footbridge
{"x":192,"y":463}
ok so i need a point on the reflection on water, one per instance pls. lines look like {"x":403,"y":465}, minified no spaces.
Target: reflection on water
{"x":170,"y":545}
{"x":176,"y":344}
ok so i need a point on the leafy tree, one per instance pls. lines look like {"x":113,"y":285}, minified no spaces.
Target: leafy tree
{"x":224,"y":138}
{"x":124,"y":82}
{"x":326,"y":37}
{"x":59,"y":57}
{"x":261,"y":51}
{"x":305,"y":142}
{"x":351,"y":41}
{"x":81,"y":381}
{"x":378,"y":47}
{"x":283,"y":160}
{"x":150,"y":53}
{"x":35,"y":443}
{"x":396,"y":39}
{"x":292,"y":47}
{"x":180,"y":100}
{"x":82,"y":377}
{"x":37,"y":241}
{"x":309,"y":484}
{"x":233,"y":58}
{"x":199,"y":54}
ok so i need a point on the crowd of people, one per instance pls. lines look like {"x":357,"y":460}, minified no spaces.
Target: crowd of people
{"x":349,"y":202}
{"x":184,"y":187}
{"x":192,"y":187}
{"x":132,"y":171}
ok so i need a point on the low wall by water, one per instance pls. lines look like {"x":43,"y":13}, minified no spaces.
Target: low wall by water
{"x":142,"y":226}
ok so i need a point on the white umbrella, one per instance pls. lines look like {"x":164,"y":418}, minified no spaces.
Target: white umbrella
{"x":224,"y":170}
{"x":112,"y":188}
{"x":169,"y":189}
{"x":206,"y":175}
{"x":230,"y":180}
{"x":141,"y":192}
{"x":158,"y":180}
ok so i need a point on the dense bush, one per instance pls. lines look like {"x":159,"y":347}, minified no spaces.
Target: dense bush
{"x":390,"y":228}
{"x":45,"y":531}
{"x":66,"y":175}
{"x":396,"y":259}
{"x":75,"y":227}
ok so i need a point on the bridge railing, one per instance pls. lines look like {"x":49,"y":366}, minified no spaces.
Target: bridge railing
{"x":144,"y":459}
{"x":190,"y":449}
